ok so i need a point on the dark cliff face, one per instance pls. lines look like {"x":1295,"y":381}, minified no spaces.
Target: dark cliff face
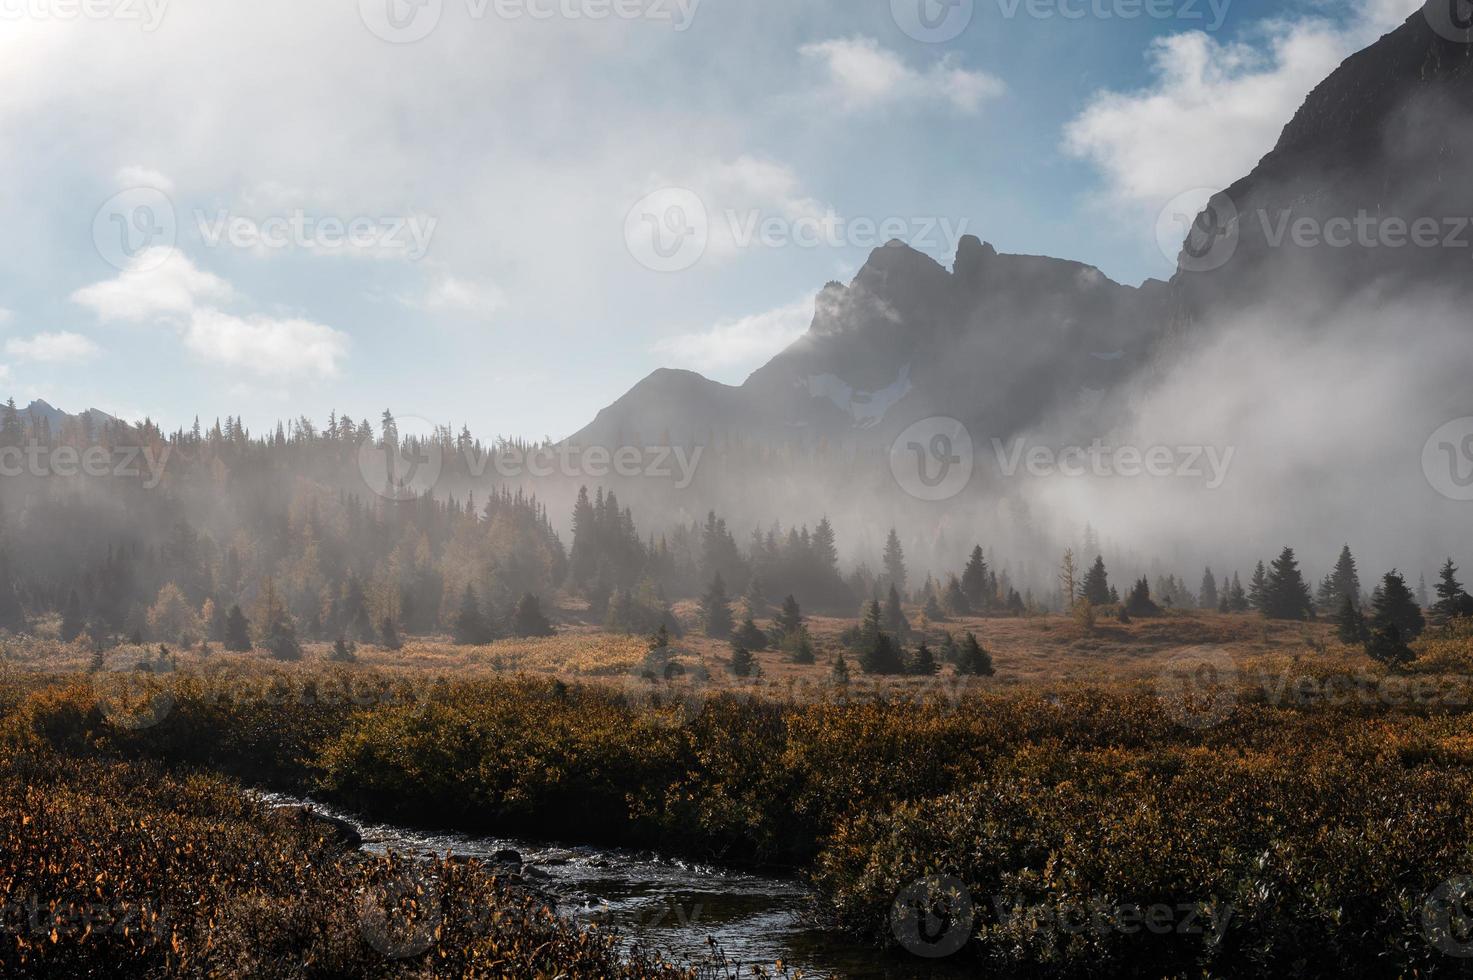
{"x":1003,"y":342}
{"x":1379,"y":149}
{"x":996,"y":341}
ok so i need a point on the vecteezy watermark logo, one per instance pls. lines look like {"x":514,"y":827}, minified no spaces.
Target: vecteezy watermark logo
{"x":149,"y":14}
{"x":135,"y":226}
{"x":933,"y":459}
{"x":1188,"y":11}
{"x":1447,"y":917}
{"x":398,"y":468}
{"x":402,"y":918}
{"x":1209,"y":464}
{"x":1451,"y":19}
{"x":933,"y":917}
{"x":408,"y":237}
{"x":401,"y":21}
{"x":1199,"y":688}
{"x":668,"y":230}
{"x":132,"y":700}
{"x":407,"y":21}
{"x":1198,"y":237}
{"x":142,"y":463}
{"x":1447,"y":459}
{"x":754,"y":228}
{"x":933,"y":21}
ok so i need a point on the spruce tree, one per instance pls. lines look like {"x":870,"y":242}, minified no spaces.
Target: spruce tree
{"x":742,"y":661}
{"x":342,"y":651}
{"x":528,"y":620}
{"x":749,"y":636}
{"x":1139,"y":602}
{"x":1286,"y":595}
{"x":716,"y":610}
{"x":894,"y":561}
{"x":923,"y":664}
{"x":954,"y":600}
{"x":1238,"y":600}
{"x":1452,"y":601}
{"x":1096,"y":587}
{"x":840,"y":672}
{"x":933,"y":611}
{"x":882,"y":658}
{"x":237,"y":631}
{"x":790,"y":620}
{"x":281,"y":638}
{"x":1345,"y":579}
{"x":1208,"y":598}
{"x":388,"y":634}
{"x":973,"y":660}
{"x":974,"y":583}
{"x":799,"y":648}
{"x":895,"y":620}
{"x":1394,"y":608}
{"x":1350,"y":624}
{"x":471,"y":628}
{"x":1258,"y":589}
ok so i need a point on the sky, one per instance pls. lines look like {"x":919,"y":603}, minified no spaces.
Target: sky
{"x":505,"y":213}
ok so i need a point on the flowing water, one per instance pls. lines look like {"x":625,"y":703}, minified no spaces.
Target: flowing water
{"x":676,"y":908}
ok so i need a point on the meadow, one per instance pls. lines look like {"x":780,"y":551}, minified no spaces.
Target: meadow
{"x":1190,"y":796}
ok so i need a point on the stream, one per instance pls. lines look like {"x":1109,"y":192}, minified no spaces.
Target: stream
{"x":676,"y":908}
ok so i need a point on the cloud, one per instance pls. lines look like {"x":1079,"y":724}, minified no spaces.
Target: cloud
{"x":53,"y":348}
{"x":135,"y":176}
{"x":265,"y":345}
{"x":451,"y":295}
{"x":744,"y":343}
{"x":157,"y":282}
{"x":163,"y":285}
{"x":860,"y":74}
{"x":1214,"y":109}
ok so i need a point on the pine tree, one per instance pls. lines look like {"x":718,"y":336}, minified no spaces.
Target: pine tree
{"x":237,"y":631}
{"x":342,"y":651}
{"x":716,"y":610}
{"x":1286,"y":596}
{"x":895,"y":621}
{"x":281,"y":638}
{"x":1258,"y":589}
{"x":1452,"y":601}
{"x":388,"y":634}
{"x":894,"y":561}
{"x":749,"y":636}
{"x":1351,"y":625}
{"x":973,"y":660}
{"x":1238,"y":601}
{"x":840,"y":673}
{"x":471,"y":628}
{"x":882,"y":658}
{"x":933,"y":611}
{"x":756,"y":598}
{"x":1345,"y":579}
{"x":950,"y":652}
{"x":799,"y":648}
{"x":954,"y":600}
{"x":1139,"y":602}
{"x":974,"y":581}
{"x":790,"y":620}
{"x":528,"y":619}
{"x":1207,"y":597}
{"x":1096,"y":587}
{"x":742,"y":661}
{"x":1394,"y":608}
{"x":923,"y":664}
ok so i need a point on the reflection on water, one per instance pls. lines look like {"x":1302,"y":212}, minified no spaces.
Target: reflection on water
{"x":678,"y":908}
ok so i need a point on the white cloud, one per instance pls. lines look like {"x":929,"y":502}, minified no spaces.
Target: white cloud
{"x":266,"y":345}
{"x":53,"y":348}
{"x":451,"y":295}
{"x":135,"y":176}
{"x":745,"y":343}
{"x":163,"y":285}
{"x":859,"y":74}
{"x":1214,"y":109}
{"x":158,"y":282}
